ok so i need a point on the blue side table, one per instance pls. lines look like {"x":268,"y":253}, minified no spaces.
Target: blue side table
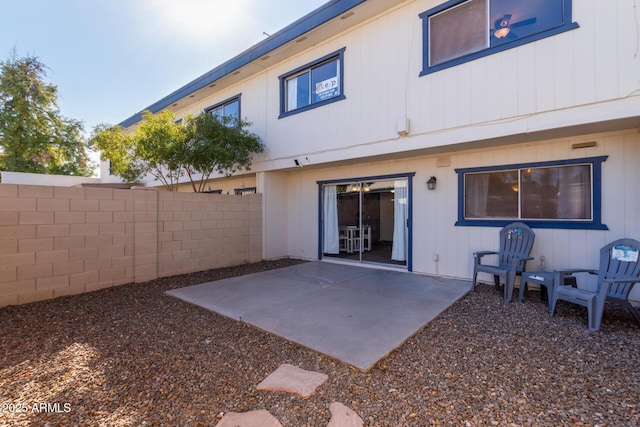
{"x":542,"y":278}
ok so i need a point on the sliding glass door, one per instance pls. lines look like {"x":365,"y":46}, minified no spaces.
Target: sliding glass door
{"x":366,"y":220}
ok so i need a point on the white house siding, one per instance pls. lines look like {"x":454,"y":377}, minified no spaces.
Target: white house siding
{"x":276,"y":214}
{"x":45,"y":179}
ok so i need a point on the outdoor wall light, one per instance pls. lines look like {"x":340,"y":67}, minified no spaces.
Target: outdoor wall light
{"x":431,"y":184}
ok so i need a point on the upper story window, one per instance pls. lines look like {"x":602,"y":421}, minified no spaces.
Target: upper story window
{"x":462,"y":30}
{"x":558,"y":194}
{"x":229,"y":108}
{"x":312,"y":85}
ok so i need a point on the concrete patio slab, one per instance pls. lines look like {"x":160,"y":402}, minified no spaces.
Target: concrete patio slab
{"x":355,"y":314}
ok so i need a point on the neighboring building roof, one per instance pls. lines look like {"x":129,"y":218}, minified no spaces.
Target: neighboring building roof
{"x":323,"y":14}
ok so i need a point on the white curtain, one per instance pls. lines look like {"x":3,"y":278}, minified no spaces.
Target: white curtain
{"x":476,"y":195}
{"x":574,"y":192}
{"x":330,"y":230}
{"x":292,"y":94}
{"x":400,"y":215}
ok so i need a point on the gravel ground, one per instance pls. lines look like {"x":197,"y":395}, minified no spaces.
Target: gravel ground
{"x":131,"y":356}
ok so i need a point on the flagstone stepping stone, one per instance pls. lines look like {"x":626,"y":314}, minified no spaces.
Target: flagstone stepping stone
{"x":291,"y":379}
{"x":342,"y":416}
{"x":259,"y":418}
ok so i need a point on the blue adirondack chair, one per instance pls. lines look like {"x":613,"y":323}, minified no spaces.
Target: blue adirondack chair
{"x":516,"y":241}
{"x":619,"y":271}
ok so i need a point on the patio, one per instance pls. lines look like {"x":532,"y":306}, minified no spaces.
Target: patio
{"x":355,"y":314}
{"x":132,"y":355}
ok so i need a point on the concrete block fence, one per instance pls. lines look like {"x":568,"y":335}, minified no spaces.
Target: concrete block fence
{"x":57,"y":241}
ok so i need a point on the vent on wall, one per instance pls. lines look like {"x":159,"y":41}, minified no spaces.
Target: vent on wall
{"x":580,"y":145}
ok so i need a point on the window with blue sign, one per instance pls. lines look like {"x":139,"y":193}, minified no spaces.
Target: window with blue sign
{"x":462,"y":30}
{"x":312,"y":85}
{"x":555,"y":194}
{"x":228,"y":110}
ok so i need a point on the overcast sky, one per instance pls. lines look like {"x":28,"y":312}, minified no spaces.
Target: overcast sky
{"x":113,"y":58}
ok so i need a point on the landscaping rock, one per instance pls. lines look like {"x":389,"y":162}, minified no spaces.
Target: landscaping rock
{"x":259,"y":418}
{"x":292,"y":379}
{"x":342,"y":416}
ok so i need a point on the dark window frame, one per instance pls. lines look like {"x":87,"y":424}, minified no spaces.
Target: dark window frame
{"x":596,"y":197}
{"x":339,"y":55}
{"x":566,"y":25}
{"x":244,"y":191}
{"x":228,"y":101}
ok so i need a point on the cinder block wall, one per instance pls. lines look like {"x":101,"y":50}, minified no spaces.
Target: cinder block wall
{"x":57,"y":241}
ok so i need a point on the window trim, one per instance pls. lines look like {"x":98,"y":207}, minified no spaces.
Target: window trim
{"x":245,"y":191}
{"x":339,"y":54}
{"x":426,"y":69}
{"x":229,"y":100}
{"x":596,"y":197}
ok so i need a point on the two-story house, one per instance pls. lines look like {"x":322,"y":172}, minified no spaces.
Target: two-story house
{"x":405,"y":133}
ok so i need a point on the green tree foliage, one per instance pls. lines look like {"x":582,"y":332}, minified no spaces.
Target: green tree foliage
{"x":167,"y":149}
{"x":155,"y":148}
{"x":34,"y":137}
{"x":222,"y":145}
{"x":119,"y":149}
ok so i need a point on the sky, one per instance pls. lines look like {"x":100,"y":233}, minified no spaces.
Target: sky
{"x":113,"y":58}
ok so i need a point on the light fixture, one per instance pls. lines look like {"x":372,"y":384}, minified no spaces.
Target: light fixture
{"x":431,"y":184}
{"x":502,"y":27}
{"x":501,"y":32}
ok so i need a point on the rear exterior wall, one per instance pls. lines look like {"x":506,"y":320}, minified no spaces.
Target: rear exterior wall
{"x":435,"y":212}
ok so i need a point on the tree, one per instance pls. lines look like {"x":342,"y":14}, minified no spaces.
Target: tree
{"x":34,"y":137}
{"x":222,"y":145}
{"x":168,"y":149}
{"x":154,"y":148}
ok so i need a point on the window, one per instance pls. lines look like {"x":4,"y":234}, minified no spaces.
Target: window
{"x":229,"y":108}
{"x":559,"y":194}
{"x":462,"y":30}
{"x":244,"y":191}
{"x":312,"y":85}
